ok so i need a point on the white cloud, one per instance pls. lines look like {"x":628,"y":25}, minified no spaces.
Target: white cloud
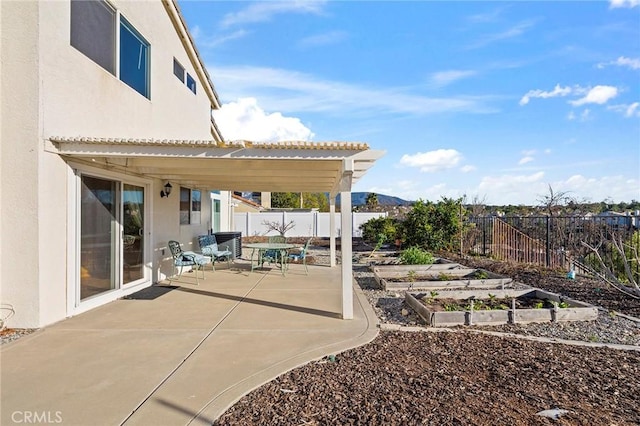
{"x":468,"y":168}
{"x":537,"y":93}
{"x":628,"y":111}
{"x":432,"y":161}
{"x":265,"y":10}
{"x":622,"y":61}
{"x":514,"y":31}
{"x":525,"y":160}
{"x":444,"y":78}
{"x":623,"y":3}
{"x":244,"y":119}
{"x":331,"y":37}
{"x":597,"y":95}
{"x":284,"y":90}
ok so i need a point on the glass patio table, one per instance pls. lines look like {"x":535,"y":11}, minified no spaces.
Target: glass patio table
{"x":261,"y":248}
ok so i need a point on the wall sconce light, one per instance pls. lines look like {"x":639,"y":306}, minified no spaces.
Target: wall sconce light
{"x":167,"y":190}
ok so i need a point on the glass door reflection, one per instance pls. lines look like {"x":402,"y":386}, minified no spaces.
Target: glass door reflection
{"x":98,"y":236}
{"x":133,"y":233}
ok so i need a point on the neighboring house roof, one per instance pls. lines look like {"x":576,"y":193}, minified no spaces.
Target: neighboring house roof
{"x":290,"y":166}
{"x":250,"y":203}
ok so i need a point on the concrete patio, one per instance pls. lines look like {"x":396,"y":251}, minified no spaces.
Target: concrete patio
{"x":182,"y":354}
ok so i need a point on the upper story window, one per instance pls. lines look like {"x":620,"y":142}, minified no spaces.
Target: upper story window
{"x":191,"y":83}
{"x":178,"y":70}
{"x":93,"y":32}
{"x":134,"y":58}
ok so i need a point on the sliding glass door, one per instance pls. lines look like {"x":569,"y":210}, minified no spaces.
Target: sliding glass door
{"x":98,"y":236}
{"x":112,"y":243}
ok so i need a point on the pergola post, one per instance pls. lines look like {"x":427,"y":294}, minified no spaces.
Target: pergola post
{"x":332,"y":230}
{"x":345,"y":239}
{"x":345,"y":250}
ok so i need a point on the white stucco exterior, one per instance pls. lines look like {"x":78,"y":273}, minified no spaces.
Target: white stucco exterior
{"x":65,"y":119}
{"x":50,"y":88}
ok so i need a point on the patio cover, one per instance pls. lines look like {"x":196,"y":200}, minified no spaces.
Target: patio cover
{"x":294,"y":166}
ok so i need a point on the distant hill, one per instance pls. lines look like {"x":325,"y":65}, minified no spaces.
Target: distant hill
{"x":360,"y":199}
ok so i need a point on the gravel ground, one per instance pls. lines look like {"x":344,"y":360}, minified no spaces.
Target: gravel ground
{"x":391,"y":308}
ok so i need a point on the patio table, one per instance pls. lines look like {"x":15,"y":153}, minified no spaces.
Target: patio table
{"x":261,"y":248}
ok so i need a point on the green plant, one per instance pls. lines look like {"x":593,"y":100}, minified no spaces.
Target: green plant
{"x":480,"y":275}
{"x":429,"y":299}
{"x":434,"y":226}
{"x":411,"y":276}
{"x":416,"y":256}
{"x":442,"y":276}
{"x":538,"y":305}
{"x":379,"y":227}
{"x":563,"y":305}
{"x":451,"y":307}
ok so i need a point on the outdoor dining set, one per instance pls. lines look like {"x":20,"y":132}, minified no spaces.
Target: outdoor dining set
{"x":276,"y":251}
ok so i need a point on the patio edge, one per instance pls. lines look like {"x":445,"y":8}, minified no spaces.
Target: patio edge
{"x":223,"y":401}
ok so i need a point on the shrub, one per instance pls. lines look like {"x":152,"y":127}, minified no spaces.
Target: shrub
{"x":434,"y":226}
{"x":380,"y":228}
{"x":416,"y":256}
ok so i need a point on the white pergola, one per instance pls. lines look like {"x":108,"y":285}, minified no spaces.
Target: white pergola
{"x":331,"y":167}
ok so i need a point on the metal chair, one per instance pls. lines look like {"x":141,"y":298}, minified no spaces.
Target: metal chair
{"x":273,"y":256}
{"x":302,"y":255}
{"x":209,"y":247}
{"x":187,"y":258}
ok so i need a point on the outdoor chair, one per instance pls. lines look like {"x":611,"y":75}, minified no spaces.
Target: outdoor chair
{"x":273,"y":256}
{"x":301,"y":255}
{"x":209,"y":247}
{"x":187,"y":258}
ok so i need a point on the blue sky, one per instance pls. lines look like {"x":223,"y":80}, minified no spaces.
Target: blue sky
{"x":492,"y":100}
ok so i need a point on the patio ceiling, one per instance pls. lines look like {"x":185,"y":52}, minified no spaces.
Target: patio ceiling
{"x":234,"y":166}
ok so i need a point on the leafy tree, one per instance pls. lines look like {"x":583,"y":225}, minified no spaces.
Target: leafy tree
{"x":372,"y":199}
{"x":291,"y":200}
{"x":315,"y":200}
{"x":377,"y":229}
{"x":285,"y":200}
{"x":434,"y":226}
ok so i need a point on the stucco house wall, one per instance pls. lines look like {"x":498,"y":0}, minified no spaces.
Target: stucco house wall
{"x":49,"y":88}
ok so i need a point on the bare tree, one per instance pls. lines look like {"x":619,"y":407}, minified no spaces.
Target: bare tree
{"x":625,"y":253}
{"x":477,"y":205}
{"x":554,"y":201}
{"x":279,"y":227}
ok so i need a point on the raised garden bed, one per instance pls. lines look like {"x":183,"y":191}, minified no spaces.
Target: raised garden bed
{"x":437,"y":276}
{"x":497,"y":307}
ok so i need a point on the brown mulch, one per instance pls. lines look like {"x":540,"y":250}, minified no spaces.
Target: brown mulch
{"x":451,"y":379}
{"x":461,"y":378}
{"x":583,"y":288}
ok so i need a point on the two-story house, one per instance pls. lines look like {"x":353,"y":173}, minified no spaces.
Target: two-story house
{"x":109,"y":150}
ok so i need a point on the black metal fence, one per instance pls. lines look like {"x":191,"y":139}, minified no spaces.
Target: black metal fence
{"x":556,"y":242}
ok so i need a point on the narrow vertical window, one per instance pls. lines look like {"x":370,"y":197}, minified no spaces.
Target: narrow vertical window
{"x":196,"y":206}
{"x":191,"y":83}
{"x":178,"y":70}
{"x":185,"y":204}
{"x":134,"y":59}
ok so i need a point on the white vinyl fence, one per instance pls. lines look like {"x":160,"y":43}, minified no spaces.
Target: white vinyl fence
{"x":306,"y":224}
